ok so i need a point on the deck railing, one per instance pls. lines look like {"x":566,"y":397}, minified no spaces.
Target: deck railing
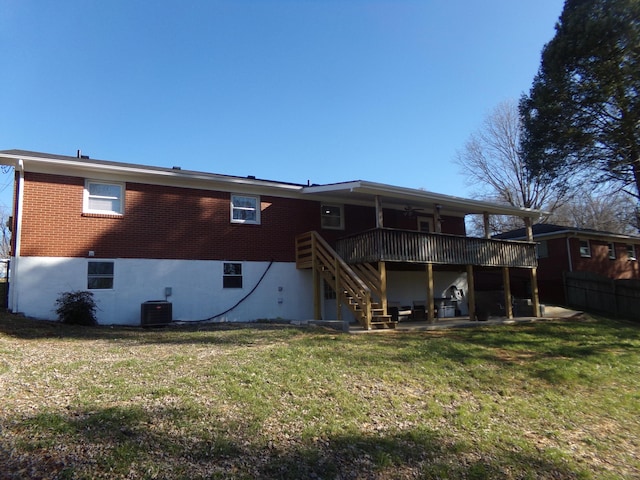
{"x":383,"y":244}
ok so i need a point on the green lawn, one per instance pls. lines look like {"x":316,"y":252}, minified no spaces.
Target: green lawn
{"x":553,"y":399}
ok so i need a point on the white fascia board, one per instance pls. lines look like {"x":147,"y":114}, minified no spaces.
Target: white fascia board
{"x":459,"y":204}
{"x":104,"y":170}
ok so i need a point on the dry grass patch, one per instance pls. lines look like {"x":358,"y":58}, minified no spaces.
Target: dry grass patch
{"x":545,"y":400}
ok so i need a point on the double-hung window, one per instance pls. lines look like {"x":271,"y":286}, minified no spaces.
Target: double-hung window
{"x":332,"y":217}
{"x":232,"y":275}
{"x":585,"y":248}
{"x":245,"y":209}
{"x":631,"y":251}
{"x":100,"y":275}
{"x":103,"y":197}
{"x":611,"y":250}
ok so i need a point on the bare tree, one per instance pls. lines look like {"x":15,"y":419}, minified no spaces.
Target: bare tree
{"x":5,"y":235}
{"x":609,"y":210}
{"x":492,"y":163}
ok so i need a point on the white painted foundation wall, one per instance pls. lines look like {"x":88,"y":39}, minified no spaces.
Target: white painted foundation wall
{"x":196,"y":285}
{"x":406,"y":287}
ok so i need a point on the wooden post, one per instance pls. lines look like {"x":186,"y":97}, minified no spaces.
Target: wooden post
{"x":317,"y":294}
{"x":506,"y":281}
{"x":528,"y":228}
{"x":337,"y":289}
{"x":382,"y":267}
{"x":379,"y":215}
{"x":487,"y":227}
{"x":437,"y":219}
{"x":535,"y":300}
{"x":471,"y":294}
{"x":534,"y":292}
{"x":431,"y":314}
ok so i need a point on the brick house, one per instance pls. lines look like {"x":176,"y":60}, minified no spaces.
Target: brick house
{"x":240,"y":248}
{"x":564,"y":249}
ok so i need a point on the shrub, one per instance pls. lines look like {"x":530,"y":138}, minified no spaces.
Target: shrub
{"x":77,"y":308}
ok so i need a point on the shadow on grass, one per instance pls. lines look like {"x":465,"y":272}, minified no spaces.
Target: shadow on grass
{"x":169,"y":443}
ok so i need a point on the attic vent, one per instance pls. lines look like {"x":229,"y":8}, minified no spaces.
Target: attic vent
{"x":177,"y":168}
{"x":251,"y":177}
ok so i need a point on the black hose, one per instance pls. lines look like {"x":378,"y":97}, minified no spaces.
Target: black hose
{"x":237,"y":303}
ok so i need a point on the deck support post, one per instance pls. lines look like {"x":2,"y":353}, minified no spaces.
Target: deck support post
{"x":317,"y":294}
{"x":337,"y":289}
{"x":535,"y":300}
{"x":534,"y":292}
{"x":506,"y":282}
{"x":431,"y":314}
{"x":471,"y":294}
{"x":382,"y":268}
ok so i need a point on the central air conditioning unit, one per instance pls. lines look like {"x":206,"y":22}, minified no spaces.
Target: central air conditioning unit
{"x":155,"y":313}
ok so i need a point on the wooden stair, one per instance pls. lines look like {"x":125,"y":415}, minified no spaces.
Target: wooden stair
{"x":379,"y":318}
{"x":312,"y":251}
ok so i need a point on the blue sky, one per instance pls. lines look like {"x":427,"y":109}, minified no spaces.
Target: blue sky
{"x":326,"y":91}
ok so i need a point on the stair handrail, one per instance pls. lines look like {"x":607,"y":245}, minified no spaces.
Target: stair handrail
{"x":349,"y":279}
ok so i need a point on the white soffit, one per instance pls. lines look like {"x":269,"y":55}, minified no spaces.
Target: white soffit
{"x":401,"y":196}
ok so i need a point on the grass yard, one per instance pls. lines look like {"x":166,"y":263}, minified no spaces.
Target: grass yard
{"x":554,"y":399}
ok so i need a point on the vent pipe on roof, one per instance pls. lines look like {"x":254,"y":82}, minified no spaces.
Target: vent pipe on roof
{"x":79,"y":154}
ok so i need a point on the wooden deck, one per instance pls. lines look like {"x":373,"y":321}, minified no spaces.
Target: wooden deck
{"x":390,"y":245}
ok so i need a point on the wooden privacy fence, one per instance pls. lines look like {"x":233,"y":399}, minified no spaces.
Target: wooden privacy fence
{"x":589,"y":291}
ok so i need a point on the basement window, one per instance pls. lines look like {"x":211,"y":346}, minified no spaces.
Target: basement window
{"x":232,"y":275}
{"x":100,"y":275}
{"x":103,"y":198}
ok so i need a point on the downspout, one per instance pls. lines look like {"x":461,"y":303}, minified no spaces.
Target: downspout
{"x":13,"y":272}
{"x":569,"y":254}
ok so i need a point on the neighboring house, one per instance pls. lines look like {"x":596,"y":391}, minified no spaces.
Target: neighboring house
{"x":240,"y":248}
{"x":565,"y":249}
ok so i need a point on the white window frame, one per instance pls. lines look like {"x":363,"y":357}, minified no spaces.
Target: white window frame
{"x":111,"y":276}
{"x":232,"y":275}
{"x":425,"y":221}
{"x":324,"y":216}
{"x":87,"y":197}
{"x":256,"y":208}
{"x":586,"y":251}
{"x":612,"y":250}
{"x":631,"y":251}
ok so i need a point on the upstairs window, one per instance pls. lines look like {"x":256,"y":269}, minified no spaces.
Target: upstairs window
{"x":612,"y":251}
{"x":585,"y":248}
{"x":542,"y":249}
{"x":104,"y":198}
{"x":245,"y":209}
{"x":631,"y":251}
{"x":100,"y":275}
{"x":332,"y":217}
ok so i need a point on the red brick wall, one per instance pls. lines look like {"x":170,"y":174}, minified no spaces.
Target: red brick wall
{"x":178,"y":223}
{"x":550,"y":269}
{"x":159,"y":222}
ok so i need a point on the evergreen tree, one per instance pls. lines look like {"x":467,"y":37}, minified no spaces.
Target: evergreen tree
{"x":583,"y":110}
